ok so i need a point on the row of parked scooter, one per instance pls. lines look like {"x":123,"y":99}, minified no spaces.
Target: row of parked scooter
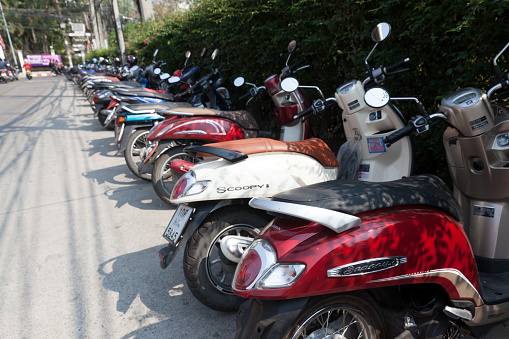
{"x":325,"y":246}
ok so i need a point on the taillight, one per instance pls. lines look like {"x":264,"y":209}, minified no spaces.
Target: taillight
{"x":179,"y":188}
{"x":248,"y":270}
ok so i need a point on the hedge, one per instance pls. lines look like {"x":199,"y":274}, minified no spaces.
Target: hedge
{"x":451,"y":44}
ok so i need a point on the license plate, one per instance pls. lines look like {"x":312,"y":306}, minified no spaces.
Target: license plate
{"x":177,"y":223}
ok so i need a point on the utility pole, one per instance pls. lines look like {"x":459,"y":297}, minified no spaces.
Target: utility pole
{"x":9,"y":36}
{"x":93,"y":18}
{"x":62,"y":27}
{"x":118,"y":30}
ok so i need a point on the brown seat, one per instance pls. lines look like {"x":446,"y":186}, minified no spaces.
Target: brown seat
{"x":243,"y":118}
{"x":315,"y":148}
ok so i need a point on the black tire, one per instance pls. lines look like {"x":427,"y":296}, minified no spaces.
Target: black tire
{"x":101,"y":117}
{"x":135,"y":143}
{"x":329,"y":315}
{"x":162,"y":178}
{"x":208,"y":273}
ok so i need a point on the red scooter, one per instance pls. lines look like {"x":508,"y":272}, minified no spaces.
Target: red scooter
{"x":401,"y":259}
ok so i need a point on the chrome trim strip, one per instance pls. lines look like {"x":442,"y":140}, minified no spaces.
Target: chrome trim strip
{"x":336,"y":221}
{"x":174,"y":112}
{"x":364,"y":267}
{"x":463,"y":285}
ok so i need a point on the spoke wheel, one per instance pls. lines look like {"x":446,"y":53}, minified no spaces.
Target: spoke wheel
{"x":136,"y":142}
{"x":163,"y":179}
{"x":340,"y":317}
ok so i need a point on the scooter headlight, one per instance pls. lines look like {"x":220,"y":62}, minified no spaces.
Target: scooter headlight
{"x":187,"y":185}
{"x":259,"y":269}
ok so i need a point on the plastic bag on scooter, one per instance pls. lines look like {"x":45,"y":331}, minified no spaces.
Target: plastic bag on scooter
{"x":349,"y":157}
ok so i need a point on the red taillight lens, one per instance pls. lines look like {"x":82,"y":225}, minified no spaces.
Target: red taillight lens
{"x":178,"y":190}
{"x":248,"y":270}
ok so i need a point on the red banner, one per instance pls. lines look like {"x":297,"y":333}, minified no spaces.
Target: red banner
{"x":2,"y":44}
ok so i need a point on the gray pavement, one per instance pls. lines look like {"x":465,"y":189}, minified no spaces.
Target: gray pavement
{"x":79,"y":234}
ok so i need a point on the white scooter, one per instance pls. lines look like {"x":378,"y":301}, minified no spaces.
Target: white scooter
{"x":213,"y":195}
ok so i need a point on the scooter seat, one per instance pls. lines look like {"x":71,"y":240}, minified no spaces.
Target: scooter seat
{"x":117,"y":84}
{"x":243,"y":118}
{"x":315,"y":148}
{"x":136,"y":92}
{"x":353,"y":197}
{"x":134,"y":108}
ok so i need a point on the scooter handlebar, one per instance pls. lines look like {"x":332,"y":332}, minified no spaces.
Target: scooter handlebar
{"x":399,"y":134}
{"x":393,"y":67}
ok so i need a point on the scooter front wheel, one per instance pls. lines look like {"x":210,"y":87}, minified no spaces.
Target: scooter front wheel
{"x":348,"y":315}
{"x":135,"y":143}
{"x":162,"y":176}
{"x":208,"y":273}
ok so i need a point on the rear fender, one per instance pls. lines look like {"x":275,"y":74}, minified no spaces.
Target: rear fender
{"x":162,"y":147}
{"x":209,"y":129}
{"x":202,"y":210}
{"x":391,"y":247}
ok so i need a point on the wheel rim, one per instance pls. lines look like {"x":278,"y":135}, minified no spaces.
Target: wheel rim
{"x":166,"y":174}
{"x":138,"y":143}
{"x":334,"y":322}
{"x":220,"y":270}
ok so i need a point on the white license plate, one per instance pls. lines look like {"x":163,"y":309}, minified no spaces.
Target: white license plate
{"x":177,"y":223}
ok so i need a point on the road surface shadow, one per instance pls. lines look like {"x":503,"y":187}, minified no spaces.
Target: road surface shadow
{"x":164,"y":293}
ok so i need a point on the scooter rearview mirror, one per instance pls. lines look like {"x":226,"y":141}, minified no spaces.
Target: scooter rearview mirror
{"x":155,"y":53}
{"x":291,"y":46}
{"x":164,"y":76}
{"x":203,"y":51}
{"x":214,"y":54}
{"x":289,"y":84}
{"x":381,"y":32}
{"x":173,"y":79}
{"x":238,"y":82}
{"x":134,"y":68}
{"x":376,"y":97}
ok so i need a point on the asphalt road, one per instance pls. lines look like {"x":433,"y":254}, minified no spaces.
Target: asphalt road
{"x":79,"y":234}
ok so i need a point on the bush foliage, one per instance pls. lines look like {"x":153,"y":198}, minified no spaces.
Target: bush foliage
{"x":450,"y":45}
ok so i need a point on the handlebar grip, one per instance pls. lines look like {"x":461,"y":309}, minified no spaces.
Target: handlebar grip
{"x":245,"y":96}
{"x":295,"y":65}
{"x":305,"y":112}
{"x":392,"y":138}
{"x":395,"y":66}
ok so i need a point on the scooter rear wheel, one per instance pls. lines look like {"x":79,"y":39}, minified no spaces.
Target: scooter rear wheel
{"x":208,"y":273}
{"x":135,"y":143}
{"x":349,"y":316}
{"x":162,"y":176}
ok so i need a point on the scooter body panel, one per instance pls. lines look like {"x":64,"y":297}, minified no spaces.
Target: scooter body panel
{"x":390,"y":247}
{"x":197,"y":128}
{"x":371,"y":125}
{"x":260,"y":175}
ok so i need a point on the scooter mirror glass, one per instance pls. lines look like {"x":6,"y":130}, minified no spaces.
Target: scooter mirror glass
{"x":215,"y":53}
{"x":157,"y":71}
{"x":155,"y":53}
{"x":134,"y":68}
{"x":188,"y":54}
{"x":238,"y":82}
{"x":164,"y":76}
{"x":203,"y":51}
{"x":376,"y":97}
{"x":291,"y":46}
{"x":173,"y":79}
{"x":289,"y":84}
{"x":381,"y":32}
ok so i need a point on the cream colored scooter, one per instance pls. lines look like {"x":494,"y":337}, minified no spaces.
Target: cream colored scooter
{"x":213,"y":195}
